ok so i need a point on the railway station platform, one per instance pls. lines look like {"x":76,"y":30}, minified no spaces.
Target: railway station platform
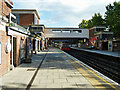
{"x":54,"y":69}
{"x":109,"y":53}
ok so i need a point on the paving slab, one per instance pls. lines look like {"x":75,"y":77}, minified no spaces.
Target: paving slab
{"x":58,"y":71}
{"x":20,"y":76}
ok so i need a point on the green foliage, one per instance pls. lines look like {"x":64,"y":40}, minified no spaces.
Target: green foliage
{"x":112,"y":17}
{"x":96,"y":20}
{"x":83,"y":24}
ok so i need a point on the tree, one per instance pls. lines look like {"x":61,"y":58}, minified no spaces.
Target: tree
{"x":90,"y":24}
{"x":83,"y":24}
{"x":96,"y":20}
{"x":112,"y":18}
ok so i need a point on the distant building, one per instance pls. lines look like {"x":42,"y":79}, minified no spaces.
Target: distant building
{"x":40,"y":43}
{"x":72,"y":36}
{"x":26,"y":17}
{"x":100,"y":37}
{"x":116,"y":44}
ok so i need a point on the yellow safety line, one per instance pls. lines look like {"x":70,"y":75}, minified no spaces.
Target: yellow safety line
{"x":94,"y":73}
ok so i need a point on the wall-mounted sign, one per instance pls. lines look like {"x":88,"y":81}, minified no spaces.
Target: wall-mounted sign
{"x":0,"y":54}
{"x":110,"y":46}
{"x":8,"y":47}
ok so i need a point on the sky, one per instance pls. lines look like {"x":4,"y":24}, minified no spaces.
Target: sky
{"x":64,"y":13}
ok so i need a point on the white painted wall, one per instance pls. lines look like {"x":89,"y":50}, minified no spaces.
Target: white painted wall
{"x":50,"y":34}
{"x":2,"y":26}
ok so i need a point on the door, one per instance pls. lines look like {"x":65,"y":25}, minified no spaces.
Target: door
{"x":22,"y":55}
{"x":14,"y":51}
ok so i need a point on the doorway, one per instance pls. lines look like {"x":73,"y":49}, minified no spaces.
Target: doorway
{"x":13,"y":51}
{"x":105,"y":45}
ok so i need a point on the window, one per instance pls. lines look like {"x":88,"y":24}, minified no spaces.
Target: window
{"x":99,"y":29}
{"x":56,"y":31}
{"x":77,"y":31}
{"x":22,"y":49}
{"x":0,"y":53}
{"x":36,"y":28}
{"x":66,"y":31}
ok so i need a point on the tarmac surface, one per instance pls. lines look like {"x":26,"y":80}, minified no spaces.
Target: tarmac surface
{"x":54,"y":69}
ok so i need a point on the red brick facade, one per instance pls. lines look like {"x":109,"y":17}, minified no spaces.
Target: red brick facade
{"x":5,"y":58}
{"x":5,"y":9}
{"x":17,"y":54}
{"x":36,"y":21}
{"x":91,"y":33}
{"x":26,"y":19}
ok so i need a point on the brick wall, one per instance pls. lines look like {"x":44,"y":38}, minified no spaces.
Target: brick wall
{"x":5,"y":10}
{"x":17,"y":52}
{"x":0,"y":6}
{"x":91,"y":33}
{"x":36,"y":20}
{"x":6,"y":58}
{"x":5,"y":63}
{"x":26,"y":19}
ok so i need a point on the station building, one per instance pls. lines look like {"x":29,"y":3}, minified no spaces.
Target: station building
{"x":41,"y":42}
{"x":116,"y":44}
{"x":71,"y":36}
{"x":26,"y":17}
{"x":101,"y":38}
{"x":15,"y":41}
{"x":29,"y":19}
{"x":5,"y":10}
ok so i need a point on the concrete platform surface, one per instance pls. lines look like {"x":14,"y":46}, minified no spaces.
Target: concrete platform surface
{"x":109,"y":53}
{"x":58,"y":71}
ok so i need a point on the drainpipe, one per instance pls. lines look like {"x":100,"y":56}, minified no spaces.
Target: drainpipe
{"x":12,"y":65}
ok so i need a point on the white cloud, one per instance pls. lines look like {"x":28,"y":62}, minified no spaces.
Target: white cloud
{"x":47,"y":22}
{"x":64,"y":12}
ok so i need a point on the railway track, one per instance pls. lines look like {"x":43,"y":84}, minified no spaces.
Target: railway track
{"x":108,"y":65}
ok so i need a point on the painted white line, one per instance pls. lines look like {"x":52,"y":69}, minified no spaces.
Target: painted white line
{"x":98,"y":73}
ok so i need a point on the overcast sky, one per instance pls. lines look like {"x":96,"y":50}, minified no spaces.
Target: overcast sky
{"x":64,"y":12}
